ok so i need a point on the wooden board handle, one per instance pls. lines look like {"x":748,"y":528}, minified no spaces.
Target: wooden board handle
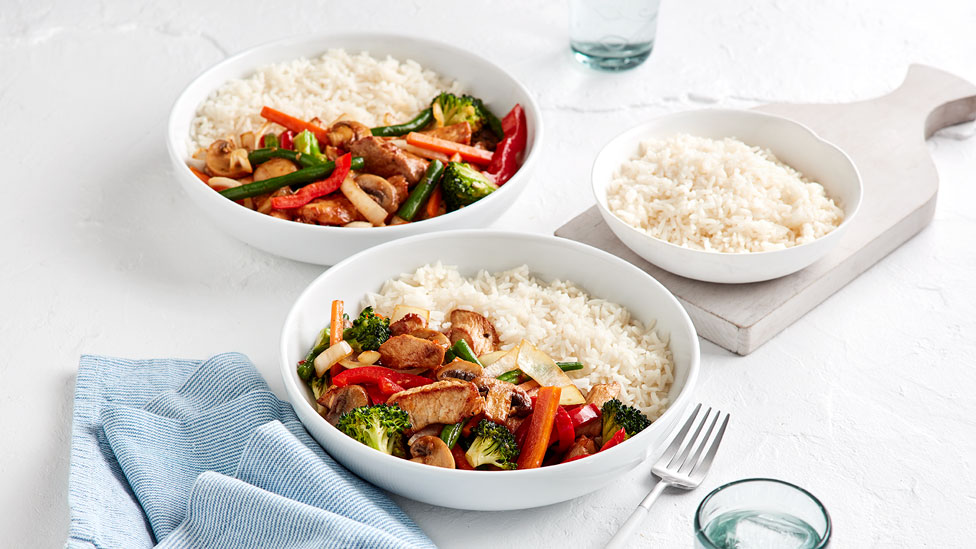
{"x":947,"y":99}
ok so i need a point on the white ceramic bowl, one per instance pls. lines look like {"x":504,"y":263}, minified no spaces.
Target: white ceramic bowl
{"x":791,"y":142}
{"x":328,"y":245}
{"x":601,"y":274}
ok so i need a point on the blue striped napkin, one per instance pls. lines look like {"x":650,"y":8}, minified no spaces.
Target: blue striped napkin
{"x":202,"y":454}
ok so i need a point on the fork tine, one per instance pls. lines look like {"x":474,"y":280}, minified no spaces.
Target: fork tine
{"x":690,"y":463}
{"x":675,"y":443}
{"x":702,"y":468}
{"x":689,"y":442}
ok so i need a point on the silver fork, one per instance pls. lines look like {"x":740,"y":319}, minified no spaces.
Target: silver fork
{"x":683,"y":465}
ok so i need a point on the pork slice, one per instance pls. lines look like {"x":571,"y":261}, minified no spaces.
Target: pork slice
{"x":409,"y":323}
{"x":331,"y":210}
{"x":448,"y":401}
{"x":475,"y":329}
{"x":458,"y":133}
{"x":602,"y":392}
{"x":406,"y":351}
{"x":583,"y":446}
{"x":386,"y":159}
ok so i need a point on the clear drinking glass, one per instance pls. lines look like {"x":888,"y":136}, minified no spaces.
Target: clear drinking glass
{"x":612,"y":35}
{"x":761,"y":513}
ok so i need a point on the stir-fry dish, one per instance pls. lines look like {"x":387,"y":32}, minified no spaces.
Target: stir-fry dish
{"x":453,"y":399}
{"x":449,"y":156}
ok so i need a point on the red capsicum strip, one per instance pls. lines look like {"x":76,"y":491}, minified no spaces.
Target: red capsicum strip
{"x":505,"y":162}
{"x":376,"y":396}
{"x":373,"y":375}
{"x":537,"y":438}
{"x":309,"y":193}
{"x":582,"y":415}
{"x":562,"y":430}
{"x":296,"y":125}
{"x":574,"y":458}
{"x":616,"y":439}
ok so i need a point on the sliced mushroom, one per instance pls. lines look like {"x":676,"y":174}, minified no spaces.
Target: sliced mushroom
{"x":380,"y":190}
{"x":431,"y":450}
{"x":346,"y":131}
{"x":339,"y":400}
{"x":276,"y":167}
{"x":225,"y":159}
{"x":430,"y":430}
{"x":459,"y":369}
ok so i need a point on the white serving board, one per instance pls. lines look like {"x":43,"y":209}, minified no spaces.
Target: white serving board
{"x":886,"y":139}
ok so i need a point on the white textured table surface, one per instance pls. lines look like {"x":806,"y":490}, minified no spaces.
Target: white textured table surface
{"x":868,"y":401}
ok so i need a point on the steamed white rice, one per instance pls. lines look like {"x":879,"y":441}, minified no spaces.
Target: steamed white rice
{"x":558,"y":317}
{"x":719,"y":195}
{"x":356,"y":86}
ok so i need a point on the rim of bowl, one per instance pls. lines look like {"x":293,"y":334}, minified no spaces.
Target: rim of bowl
{"x":681,"y":249}
{"x":679,"y":402}
{"x":699,"y":527}
{"x":519,"y":179}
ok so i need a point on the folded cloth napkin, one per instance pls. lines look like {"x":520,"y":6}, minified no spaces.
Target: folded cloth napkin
{"x":202,"y":454}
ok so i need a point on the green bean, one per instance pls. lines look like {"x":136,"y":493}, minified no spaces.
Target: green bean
{"x":421,"y":193}
{"x":451,"y":432}
{"x":510,"y":376}
{"x":296,"y":179}
{"x":464,"y":352}
{"x":570,"y":366}
{"x":416,"y":124}
{"x":260,"y":156}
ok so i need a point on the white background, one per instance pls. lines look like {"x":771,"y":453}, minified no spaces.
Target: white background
{"x":868,"y":401}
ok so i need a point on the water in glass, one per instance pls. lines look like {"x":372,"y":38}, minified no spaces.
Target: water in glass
{"x":612,"y":34}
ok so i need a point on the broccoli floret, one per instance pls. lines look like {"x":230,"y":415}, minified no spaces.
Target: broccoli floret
{"x":463,"y":185}
{"x":459,"y":109}
{"x":617,"y":415}
{"x":493,"y":444}
{"x":367,"y":332}
{"x":380,"y":427}
{"x":467,"y":109}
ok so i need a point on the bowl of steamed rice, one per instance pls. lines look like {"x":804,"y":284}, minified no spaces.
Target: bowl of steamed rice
{"x":298,"y":110}
{"x":571,"y":301}
{"x":726,"y":196}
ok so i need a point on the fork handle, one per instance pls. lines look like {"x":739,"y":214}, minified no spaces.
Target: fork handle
{"x":619,"y":540}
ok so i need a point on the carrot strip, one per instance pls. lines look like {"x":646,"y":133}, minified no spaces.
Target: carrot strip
{"x":460,"y":460}
{"x":203,"y":177}
{"x":296,"y":125}
{"x":335,"y":332}
{"x":467,"y":152}
{"x":455,"y":157}
{"x":433,"y":208}
{"x":537,"y":438}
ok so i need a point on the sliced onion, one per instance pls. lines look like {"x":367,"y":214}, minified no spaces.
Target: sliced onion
{"x":540,"y":367}
{"x":488,"y":359}
{"x":331,"y":356}
{"x":351,"y":364}
{"x":368,"y":357}
{"x":358,"y":224}
{"x":222,"y":183}
{"x":363,"y":202}
{"x":401,"y":311}
{"x":505,"y":363}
